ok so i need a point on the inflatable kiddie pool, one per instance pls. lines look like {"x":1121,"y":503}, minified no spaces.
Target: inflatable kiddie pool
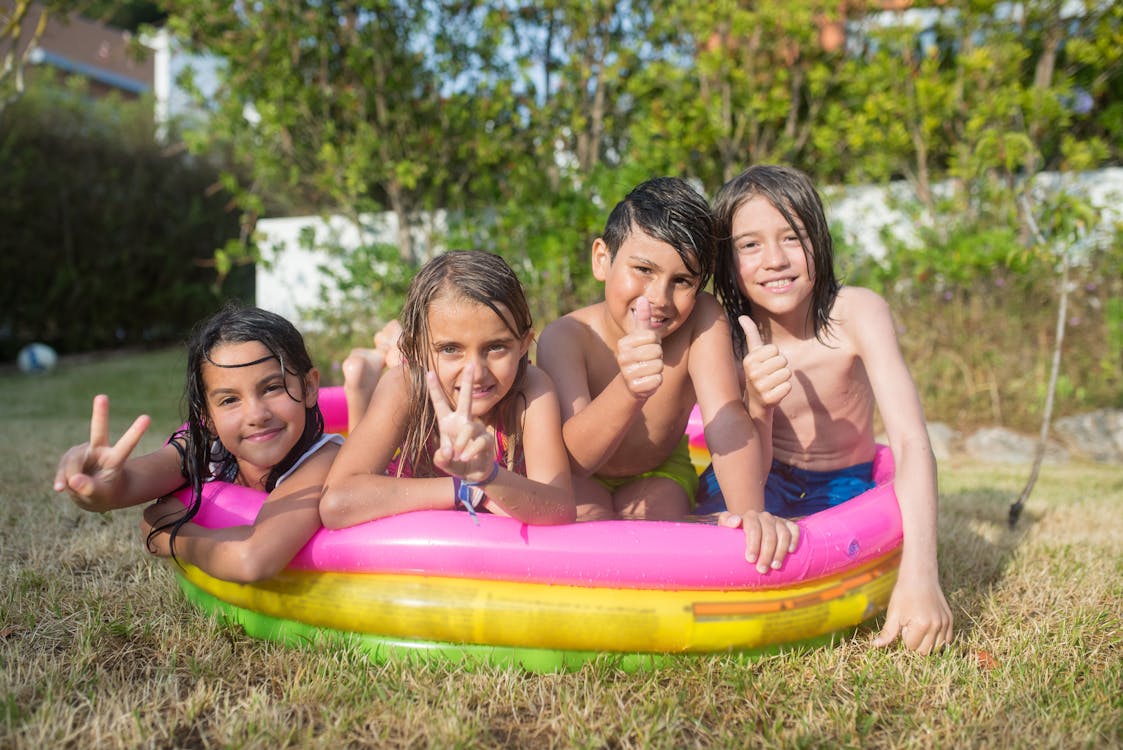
{"x":549,"y":598}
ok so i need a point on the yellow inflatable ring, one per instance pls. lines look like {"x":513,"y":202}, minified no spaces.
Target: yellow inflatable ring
{"x":549,"y":598}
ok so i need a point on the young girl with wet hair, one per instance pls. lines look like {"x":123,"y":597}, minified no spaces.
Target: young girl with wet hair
{"x":818,"y":360}
{"x":252,"y":419}
{"x":466,"y":421}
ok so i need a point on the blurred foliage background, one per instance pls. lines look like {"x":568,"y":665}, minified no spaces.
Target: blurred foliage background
{"x":525,"y":122}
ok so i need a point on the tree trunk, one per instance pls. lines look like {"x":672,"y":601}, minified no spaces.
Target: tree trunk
{"x":405,"y":239}
{"x":1050,"y":393}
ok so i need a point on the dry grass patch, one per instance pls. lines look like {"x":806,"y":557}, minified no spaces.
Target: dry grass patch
{"x":99,"y":649}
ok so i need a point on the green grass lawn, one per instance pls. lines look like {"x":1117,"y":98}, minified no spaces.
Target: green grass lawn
{"x":99,"y":649}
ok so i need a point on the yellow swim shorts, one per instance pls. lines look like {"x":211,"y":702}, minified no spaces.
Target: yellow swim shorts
{"x":678,"y":467}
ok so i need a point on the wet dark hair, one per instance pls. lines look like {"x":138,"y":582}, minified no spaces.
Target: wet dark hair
{"x":483,"y":278}
{"x":792,"y":193}
{"x":202,"y":457}
{"x":669,"y":210}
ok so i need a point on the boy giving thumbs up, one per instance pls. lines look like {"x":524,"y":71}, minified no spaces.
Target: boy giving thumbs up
{"x":629,"y":369}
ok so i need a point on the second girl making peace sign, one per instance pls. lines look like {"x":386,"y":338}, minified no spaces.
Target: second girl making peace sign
{"x":466,"y":334}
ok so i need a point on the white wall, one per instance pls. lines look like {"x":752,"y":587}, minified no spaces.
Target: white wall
{"x":862,"y":212}
{"x":290,"y":280}
{"x":170,"y":61}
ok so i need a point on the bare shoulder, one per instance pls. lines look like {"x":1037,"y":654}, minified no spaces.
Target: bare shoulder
{"x":706,"y":317}
{"x":565,"y":342}
{"x":707,"y":310}
{"x":572,"y":327}
{"x":537,"y":383}
{"x":394,"y":382}
{"x":711,"y":363}
{"x":380,"y":431}
{"x":708,"y":325}
{"x":865,"y":321}
{"x":561,"y":328}
{"x":855,"y":303}
{"x":389,"y":406}
{"x":539,"y":407}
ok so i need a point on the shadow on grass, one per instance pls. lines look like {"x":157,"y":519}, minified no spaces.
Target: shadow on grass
{"x":977,"y":547}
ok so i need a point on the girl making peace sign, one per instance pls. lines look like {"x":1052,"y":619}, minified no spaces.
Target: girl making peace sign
{"x":253,"y":419}
{"x":466,"y":334}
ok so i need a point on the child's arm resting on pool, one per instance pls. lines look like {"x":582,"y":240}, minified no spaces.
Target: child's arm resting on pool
{"x":100,"y":477}
{"x":357,"y":488}
{"x":734,"y":444}
{"x":245,"y":554}
{"x":918,"y":610}
{"x":545,"y":494}
{"x":730,"y":434}
{"x":467,"y":450}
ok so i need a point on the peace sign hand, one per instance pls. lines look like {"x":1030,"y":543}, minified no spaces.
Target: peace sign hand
{"x":91,"y":472}
{"x":467,"y":449}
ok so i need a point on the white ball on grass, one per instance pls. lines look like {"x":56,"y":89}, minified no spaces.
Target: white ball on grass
{"x":37,"y":358}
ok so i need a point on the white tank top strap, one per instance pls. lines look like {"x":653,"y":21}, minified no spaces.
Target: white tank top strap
{"x":330,"y":437}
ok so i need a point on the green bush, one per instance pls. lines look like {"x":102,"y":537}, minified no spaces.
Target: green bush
{"x":976,"y":312}
{"x":108,"y":237}
{"x":372,"y":282}
{"x":977,"y":315}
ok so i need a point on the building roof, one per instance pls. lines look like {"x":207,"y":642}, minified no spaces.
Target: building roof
{"x":77,"y":46}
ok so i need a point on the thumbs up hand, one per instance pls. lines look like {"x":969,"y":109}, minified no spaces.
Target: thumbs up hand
{"x":640,"y":354}
{"x":767,"y":375}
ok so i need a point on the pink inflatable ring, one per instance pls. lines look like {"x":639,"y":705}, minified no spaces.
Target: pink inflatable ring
{"x":550,"y":597}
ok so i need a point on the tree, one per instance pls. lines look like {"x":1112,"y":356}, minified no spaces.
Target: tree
{"x":970,"y":92}
{"x":762,"y":78}
{"x":1071,"y":219}
{"x":21,"y":27}
{"x":527,"y":121}
{"x":125,"y":14}
{"x":568,"y":65}
{"x":344,"y":107}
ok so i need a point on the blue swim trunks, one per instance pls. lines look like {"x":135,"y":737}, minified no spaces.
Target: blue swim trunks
{"x":792,"y":492}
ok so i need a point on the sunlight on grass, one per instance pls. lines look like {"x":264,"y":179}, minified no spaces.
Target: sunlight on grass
{"x":99,"y":649}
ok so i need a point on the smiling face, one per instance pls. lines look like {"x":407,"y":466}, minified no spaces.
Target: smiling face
{"x":249,"y":407}
{"x":645,"y":267}
{"x":771,"y":263}
{"x":462,"y":332}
